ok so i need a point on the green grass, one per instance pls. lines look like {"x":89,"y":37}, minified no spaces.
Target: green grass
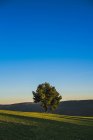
{"x":39,"y":126}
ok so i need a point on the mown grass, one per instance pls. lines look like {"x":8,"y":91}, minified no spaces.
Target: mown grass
{"x":41,"y":126}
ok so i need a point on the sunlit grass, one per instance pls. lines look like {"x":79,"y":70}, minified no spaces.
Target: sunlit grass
{"x":80,"y":120}
{"x":15,"y":125}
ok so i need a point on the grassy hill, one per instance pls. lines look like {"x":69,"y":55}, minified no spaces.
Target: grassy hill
{"x":16,"y":125}
{"x":78,"y":108}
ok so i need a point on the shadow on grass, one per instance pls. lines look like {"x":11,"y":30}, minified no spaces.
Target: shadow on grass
{"x":52,"y":119}
{"x":15,"y":127}
{"x":16,"y":131}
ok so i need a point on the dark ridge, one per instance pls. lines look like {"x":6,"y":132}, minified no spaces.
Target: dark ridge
{"x":78,"y":108}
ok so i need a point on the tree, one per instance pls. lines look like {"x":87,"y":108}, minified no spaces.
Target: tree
{"x":48,"y":96}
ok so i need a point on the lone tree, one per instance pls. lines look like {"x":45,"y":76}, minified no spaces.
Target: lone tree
{"x":48,"y":96}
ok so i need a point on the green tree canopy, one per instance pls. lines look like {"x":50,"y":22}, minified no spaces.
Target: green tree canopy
{"x":48,"y":96}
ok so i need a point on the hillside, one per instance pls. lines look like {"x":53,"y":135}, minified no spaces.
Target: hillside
{"x":16,"y":125}
{"x":78,"y":108}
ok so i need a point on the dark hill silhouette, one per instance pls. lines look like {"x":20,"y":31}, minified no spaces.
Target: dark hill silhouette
{"x":79,"y":108}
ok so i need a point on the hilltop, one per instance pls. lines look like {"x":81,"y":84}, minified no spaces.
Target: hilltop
{"x":78,"y":108}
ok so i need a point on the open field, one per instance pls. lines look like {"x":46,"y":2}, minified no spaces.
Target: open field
{"x":16,"y":125}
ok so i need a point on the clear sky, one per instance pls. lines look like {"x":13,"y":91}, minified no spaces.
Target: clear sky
{"x":46,"y":41}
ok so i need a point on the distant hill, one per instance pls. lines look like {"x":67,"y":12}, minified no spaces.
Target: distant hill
{"x":78,"y":108}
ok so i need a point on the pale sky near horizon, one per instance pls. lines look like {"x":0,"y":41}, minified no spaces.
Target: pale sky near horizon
{"x":46,"y":41}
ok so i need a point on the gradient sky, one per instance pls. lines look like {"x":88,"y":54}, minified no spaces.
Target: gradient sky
{"x":46,"y":41}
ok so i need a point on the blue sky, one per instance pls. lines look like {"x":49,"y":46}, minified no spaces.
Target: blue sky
{"x":46,"y":41}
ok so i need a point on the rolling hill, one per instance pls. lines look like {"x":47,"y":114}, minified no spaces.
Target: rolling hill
{"x":76,"y":108}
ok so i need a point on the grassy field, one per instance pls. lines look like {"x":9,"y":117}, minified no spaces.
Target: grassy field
{"x":39,"y":126}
